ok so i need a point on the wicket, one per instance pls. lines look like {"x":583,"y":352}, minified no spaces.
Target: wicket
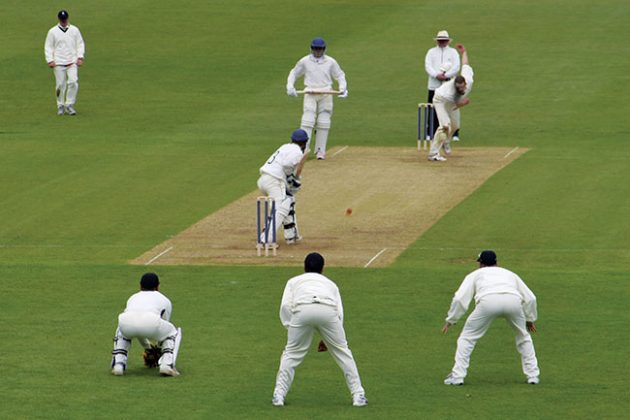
{"x":265,"y":210}
{"x":425,"y":124}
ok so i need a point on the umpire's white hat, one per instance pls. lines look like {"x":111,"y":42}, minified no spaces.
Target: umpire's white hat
{"x":442,"y":36}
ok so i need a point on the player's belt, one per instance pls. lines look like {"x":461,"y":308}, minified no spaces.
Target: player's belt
{"x":316,"y":300}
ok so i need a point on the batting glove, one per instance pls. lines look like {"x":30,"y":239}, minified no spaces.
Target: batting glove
{"x":291,"y":91}
{"x":343,"y":94}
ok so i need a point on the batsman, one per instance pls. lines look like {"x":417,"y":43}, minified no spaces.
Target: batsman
{"x":280,"y":180}
{"x":318,"y":70}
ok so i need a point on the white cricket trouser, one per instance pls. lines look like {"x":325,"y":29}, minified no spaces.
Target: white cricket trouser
{"x":324,"y":319}
{"x":317,"y":113}
{"x":490,"y":307}
{"x":449,"y":123}
{"x":276,"y":189}
{"x":146,"y":327}
{"x":66,"y":84}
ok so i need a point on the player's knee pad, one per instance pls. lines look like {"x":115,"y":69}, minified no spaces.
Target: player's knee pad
{"x":290,"y":229}
{"x":121,"y":349}
{"x":308,"y":120}
{"x":323,"y":120}
{"x":167,"y":345}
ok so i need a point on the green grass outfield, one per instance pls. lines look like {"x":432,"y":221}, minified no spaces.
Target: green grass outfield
{"x":179,"y":104}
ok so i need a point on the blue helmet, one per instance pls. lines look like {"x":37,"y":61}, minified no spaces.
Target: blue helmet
{"x":318,"y":43}
{"x":299,"y":136}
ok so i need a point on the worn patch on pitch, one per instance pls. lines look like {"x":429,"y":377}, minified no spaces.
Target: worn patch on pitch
{"x":395,"y":195}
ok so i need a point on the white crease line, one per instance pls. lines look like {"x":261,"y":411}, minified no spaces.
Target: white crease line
{"x":159,"y":255}
{"x":510,"y":152}
{"x":374,"y":257}
{"x":340,"y":150}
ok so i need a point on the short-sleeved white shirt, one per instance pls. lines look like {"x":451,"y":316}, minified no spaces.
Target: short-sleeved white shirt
{"x":283,"y":161}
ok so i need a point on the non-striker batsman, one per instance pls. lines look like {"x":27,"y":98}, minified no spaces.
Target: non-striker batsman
{"x":318,"y":70}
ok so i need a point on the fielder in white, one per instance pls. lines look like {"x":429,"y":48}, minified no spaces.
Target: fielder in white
{"x":318,"y":70}
{"x":281,"y":173}
{"x":147,"y":318}
{"x":311,"y":302}
{"x":498,"y":293}
{"x":65,"y":50}
{"x":447,"y":101}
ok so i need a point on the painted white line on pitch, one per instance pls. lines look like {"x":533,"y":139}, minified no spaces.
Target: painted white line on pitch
{"x":340,"y":150}
{"x":374,"y":257}
{"x":159,"y":255}
{"x":510,"y":152}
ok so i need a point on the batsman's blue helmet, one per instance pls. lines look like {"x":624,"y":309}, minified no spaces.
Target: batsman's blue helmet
{"x":299,"y":136}
{"x":318,"y":43}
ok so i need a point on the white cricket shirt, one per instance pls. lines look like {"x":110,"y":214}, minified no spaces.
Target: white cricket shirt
{"x":64,"y":45}
{"x":309,"y":288}
{"x":283,"y":161}
{"x":318,"y":73}
{"x":448,"y":93}
{"x":150,"y":301}
{"x":437,"y":57}
{"x":491,"y":280}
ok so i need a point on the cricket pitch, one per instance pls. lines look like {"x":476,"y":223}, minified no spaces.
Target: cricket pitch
{"x":395,"y":195}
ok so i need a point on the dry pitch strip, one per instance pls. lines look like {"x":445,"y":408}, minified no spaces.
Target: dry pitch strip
{"x":395,"y":195}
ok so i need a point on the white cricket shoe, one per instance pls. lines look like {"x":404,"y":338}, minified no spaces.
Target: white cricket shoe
{"x":533,"y":380}
{"x":70,"y":110}
{"x":118,"y":369}
{"x":455,"y":138}
{"x":452,"y":380}
{"x":436,"y":158}
{"x":359,"y":400}
{"x":60,"y":110}
{"x":447,"y":148}
{"x":168,"y":370}
{"x":277,"y":400}
{"x":293,"y":241}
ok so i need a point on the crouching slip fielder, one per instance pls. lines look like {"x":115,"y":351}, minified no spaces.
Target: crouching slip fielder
{"x":311,"y":302}
{"x":284,"y":164}
{"x":318,"y":70}
{"x":447,"y":100}
{"x":498,"y":293}
{"x":147,"y":318}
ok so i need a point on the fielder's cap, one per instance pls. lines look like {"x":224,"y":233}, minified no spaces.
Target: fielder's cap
{"x":63,"y":15}
{"x":299,"y":136}
{"x":149,"y":281}
{"x":314,"y":263}
{"x":442,"y":36}
{"x":446,"y":66}
{"x":487,"y":258}
{"x":318,"y":43}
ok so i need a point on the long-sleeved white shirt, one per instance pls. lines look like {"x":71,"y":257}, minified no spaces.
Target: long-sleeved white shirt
{"x":150,"y":301}
{"x":309,"y":288}
{"x":448,"y":93}
{"x":283,"y":161}
{"x":491,"y":280}
{"x":318,"y":73}
{"x":437,"y":57}
{"x":64,"y":45}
